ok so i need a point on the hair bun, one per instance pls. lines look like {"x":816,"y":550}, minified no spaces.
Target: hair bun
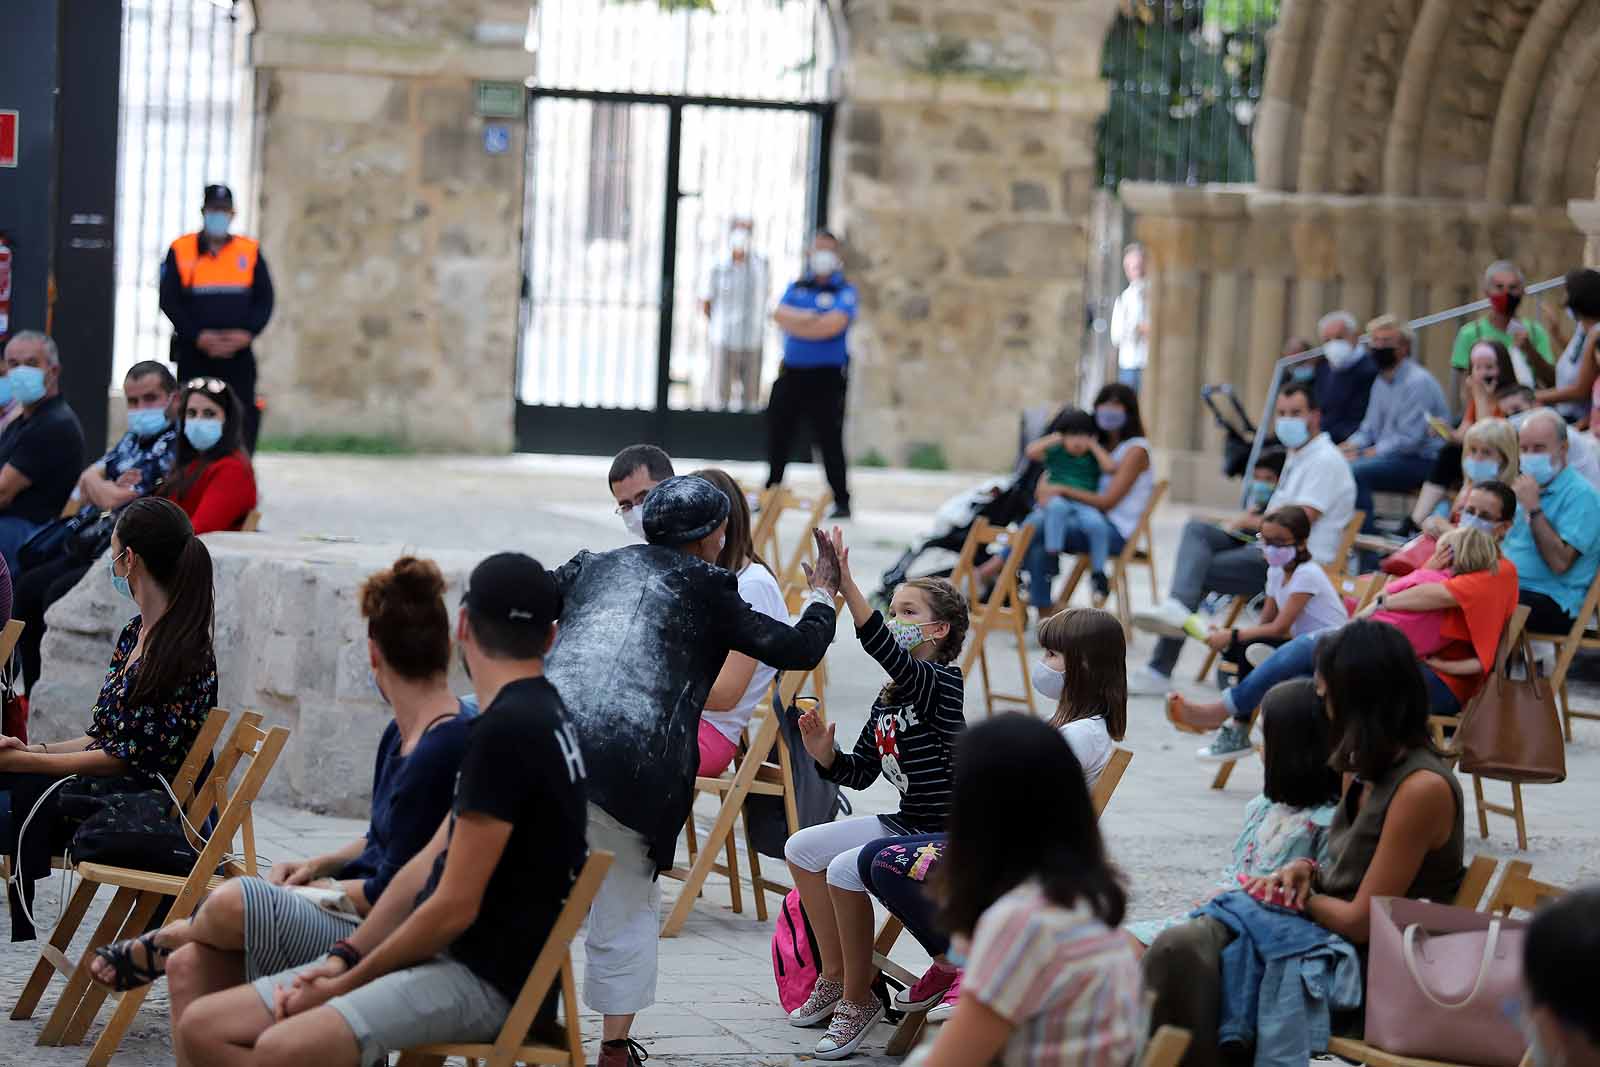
{"x":418,"y":578}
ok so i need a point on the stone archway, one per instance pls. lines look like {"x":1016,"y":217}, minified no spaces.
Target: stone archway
{"x":1402,"y":145}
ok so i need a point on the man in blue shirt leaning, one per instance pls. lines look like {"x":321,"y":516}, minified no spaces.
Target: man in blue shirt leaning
{"x":1555,"y":542}
{"x":1394,"y":449}
{"x":815,"y":315}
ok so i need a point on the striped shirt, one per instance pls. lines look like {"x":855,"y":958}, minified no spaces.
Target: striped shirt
{"x":910,"y":737}
{"x":1067,"y":983}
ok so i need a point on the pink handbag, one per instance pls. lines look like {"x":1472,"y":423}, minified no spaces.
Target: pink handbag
{"x":1438,"y":981}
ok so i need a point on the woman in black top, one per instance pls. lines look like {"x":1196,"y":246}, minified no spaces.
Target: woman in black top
{"x":160,"y":687}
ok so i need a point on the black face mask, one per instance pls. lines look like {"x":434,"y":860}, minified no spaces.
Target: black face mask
{"x":1385,"y":358}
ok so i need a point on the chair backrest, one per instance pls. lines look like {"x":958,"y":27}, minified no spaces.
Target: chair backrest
{"x":1166,"y":1047}
{"x":982,"y":534}
{"x":1363,"y":588}
{"x":9,"y":636}
{"x":552,"y":958}
{"x":1347,"y":544}
{"x":792,"y":578}
{"x":1140,"y":541}
{"x":252,"y":752}
{"x":183,"y":783}
{"x":1106,"y":784}
{"x":764,"y":535}
{"x":1518,"y":891}
{"x":1480,"y":872}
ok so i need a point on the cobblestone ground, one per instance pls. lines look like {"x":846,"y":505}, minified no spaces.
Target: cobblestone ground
{"x":1167,"y":830}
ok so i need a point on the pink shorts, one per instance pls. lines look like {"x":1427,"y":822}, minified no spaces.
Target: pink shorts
{"x":716,"y":751}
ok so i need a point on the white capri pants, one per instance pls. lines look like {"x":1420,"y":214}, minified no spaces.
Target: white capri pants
{"x":834,"y":847}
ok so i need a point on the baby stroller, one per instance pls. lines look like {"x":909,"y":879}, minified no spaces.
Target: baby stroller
{"x":1000,"y":500}
{"x":1235,"y":424}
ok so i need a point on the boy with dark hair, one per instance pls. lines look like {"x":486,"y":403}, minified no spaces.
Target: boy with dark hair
{"x":635,"y":471}
{"x":447,"y":948}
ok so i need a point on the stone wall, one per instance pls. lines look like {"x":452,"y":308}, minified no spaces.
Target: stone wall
{"x":392,"y":233}
{"x":290,"y":644}
{"x":964,"y":170}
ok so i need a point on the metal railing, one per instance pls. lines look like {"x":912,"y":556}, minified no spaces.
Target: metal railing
{"x":1287,"y":363}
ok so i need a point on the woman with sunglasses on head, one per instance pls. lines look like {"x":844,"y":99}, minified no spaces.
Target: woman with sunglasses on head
{"x":213,"y":481}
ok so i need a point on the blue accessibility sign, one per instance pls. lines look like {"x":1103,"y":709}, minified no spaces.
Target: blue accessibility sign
{"x":496,"y":140}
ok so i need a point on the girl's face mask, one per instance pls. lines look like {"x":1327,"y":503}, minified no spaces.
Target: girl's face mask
{"x":1047,"y":681}
{"x":908,"y":635}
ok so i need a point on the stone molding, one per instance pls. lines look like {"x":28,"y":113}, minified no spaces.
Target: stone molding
{"x":398,"y":57}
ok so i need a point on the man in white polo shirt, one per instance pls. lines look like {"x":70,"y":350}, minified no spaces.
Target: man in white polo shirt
{"x":1224,"y":558}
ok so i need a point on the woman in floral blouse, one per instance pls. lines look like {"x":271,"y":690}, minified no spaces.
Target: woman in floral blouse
{"x":161,"y":685}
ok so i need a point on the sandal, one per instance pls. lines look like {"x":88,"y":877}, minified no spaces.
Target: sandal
{"x":1173,"y":702}
{"x":130,"y":975}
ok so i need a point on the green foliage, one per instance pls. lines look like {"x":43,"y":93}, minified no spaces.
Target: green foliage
{"x":872,"y":458}
{"x":347,"y":444}
{"x":928,"y":456}
{"x":1185,"y":84}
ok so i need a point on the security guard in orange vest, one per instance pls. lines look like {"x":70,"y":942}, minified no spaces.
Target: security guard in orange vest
{"x":217,"y":293}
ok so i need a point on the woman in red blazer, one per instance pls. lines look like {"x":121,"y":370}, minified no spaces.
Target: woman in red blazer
{"x":212,"y":480}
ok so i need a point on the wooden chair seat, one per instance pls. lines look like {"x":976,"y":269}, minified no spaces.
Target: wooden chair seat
{"x":142,"y":881}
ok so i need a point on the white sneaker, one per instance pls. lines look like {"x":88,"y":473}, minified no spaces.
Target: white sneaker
{"x":1544,"y":654}
{"x":1167,"y":620}
{"x":1146,"y":681}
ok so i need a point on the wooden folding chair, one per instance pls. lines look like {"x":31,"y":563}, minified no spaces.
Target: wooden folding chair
{"x":912,"y":1022}
{"x":792,"y":576}
{"x":1518,"y":891}
{"x":769,"y":509}
{"x":1340,"y":567}
{"x":252,"y":522}
{"x":1439,"y":724}
{"x":1166,"y":1047}
{"x":139,"y":893}
{"x":756,"y":772}
{"x":1004,"y":608}
{"x":1582,"y":635}
{"x":1137,"y":551}
{"x":513,"y":1045}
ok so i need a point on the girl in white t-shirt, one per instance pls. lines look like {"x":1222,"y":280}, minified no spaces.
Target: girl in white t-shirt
{"x":1300,"y":598}
{"x":1085,"y":672}
{"x":743,"y":683}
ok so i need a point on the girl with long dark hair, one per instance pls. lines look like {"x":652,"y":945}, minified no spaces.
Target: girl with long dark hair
{"x":213,"y":480}
{"x":1035,"y":903}
{"x":160,"y":687}
{"x":743,"y":681}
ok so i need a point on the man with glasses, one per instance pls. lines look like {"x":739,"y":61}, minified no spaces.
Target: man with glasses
{"x":637,"y":470}
{"x":217,"y":292}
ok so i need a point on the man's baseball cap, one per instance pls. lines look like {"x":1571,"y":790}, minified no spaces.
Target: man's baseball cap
{"x":219,"y":196}
{"x":510,"y":587}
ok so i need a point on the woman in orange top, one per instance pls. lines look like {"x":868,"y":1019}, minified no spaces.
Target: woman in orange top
{"x":212,"y":480}
{"x":1491,"y":368}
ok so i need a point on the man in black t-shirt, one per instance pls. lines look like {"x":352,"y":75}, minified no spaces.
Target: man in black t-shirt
{"x":445,"y":952}
{"x":41,"y":452}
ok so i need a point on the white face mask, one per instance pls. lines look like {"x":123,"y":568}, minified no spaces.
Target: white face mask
{"x":739,"y":240}
{"x":824,"y":263}
{"x":1047,"y":681}
{"x":633,"y":519}
{"x":1339,"y":353}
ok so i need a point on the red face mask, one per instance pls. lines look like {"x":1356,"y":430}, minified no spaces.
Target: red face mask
{"x":1505,"y":303}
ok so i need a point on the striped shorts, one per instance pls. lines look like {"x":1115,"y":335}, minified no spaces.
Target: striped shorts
{"x":283,"y":929}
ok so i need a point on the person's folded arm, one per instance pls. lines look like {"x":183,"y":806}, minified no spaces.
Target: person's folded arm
{"x":820,"y":327}
{"x":1035,"y":450}
{"x":1429,"y":596}
{"x":1553,"y":549}
{"x":12,"y":484}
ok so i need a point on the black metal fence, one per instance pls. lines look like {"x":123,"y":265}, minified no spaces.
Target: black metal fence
{"x":1186,"y":80}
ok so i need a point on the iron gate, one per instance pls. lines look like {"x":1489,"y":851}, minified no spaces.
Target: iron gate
{"x":638,"y":167}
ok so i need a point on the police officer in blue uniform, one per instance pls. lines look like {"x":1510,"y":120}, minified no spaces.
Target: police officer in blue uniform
{"x":815,"y":315}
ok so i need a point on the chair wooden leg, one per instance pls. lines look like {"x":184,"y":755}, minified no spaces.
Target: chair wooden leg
{"x":1224,"y":772}
{"x":60,"y":939}
{"x":1483,"y":816}
{"x":691,"y":838}
{"x":988,"y":686}
{"x":144,"y":910}
{"x":906,"y":1034}
{"x":116,"y":912}
{"x":1119,"y":589}
{"x":116,"y":1027}
{"x":1079,"y":569}
{"x":1150,"y":555}
{"x":758,"y":885}
{"x":735,"y":892}
{"x":1516,"y":807}
{"x":1566,"y":711}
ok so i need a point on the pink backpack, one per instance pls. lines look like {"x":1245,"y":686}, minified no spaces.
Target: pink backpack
{"x":795,"y":960}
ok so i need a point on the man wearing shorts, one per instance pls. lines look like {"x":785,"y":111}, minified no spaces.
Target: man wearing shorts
{"x":447,"y":948}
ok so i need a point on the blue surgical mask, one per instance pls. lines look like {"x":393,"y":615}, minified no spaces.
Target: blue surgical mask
{"x":5,"y":392}
{"x":1477,"y":522}
{"x":147,"y":422}
{"x":216,"y":223}
{"x":1110,"y":419}
{"x":1541,"y":468}
{"x":27,"y":384}
{"x":1293,"y":432}
{"x":1303,"y":373}
{"x":1258,"y":492}
{"x":119,"y":582}
{"x":203,"y":434}
{"x":908,"y":635}
{"x":1479,"y":470}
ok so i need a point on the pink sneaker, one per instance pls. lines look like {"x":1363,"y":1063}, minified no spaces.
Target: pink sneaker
{"x":947,"y":1006}
{"x":928,"y":990}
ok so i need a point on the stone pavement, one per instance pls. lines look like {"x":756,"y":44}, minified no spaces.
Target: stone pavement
{"x":1166,"y":829}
